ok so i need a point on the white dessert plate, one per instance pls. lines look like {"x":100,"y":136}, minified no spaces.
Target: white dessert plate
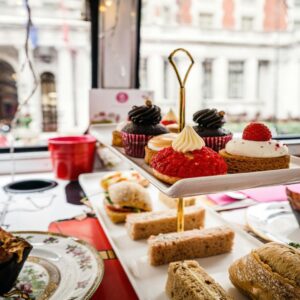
{"x":59,"y":267}
{"x":201,"y":185}
{"x":149,"y":282}
{"x":274,"y":221}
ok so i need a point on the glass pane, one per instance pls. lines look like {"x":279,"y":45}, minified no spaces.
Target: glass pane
{"x":246,"y":58}
{"x":59,"y":49}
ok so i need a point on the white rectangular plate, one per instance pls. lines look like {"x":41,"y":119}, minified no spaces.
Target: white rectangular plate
{"x":149,"y":282}
{"x":202,"y":185}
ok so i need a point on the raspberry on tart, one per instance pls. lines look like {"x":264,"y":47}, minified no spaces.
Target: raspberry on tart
{"x":188,"y":157}
{"x":256,"y":131}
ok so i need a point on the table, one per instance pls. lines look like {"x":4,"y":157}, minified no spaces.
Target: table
{"x":57,"y":215}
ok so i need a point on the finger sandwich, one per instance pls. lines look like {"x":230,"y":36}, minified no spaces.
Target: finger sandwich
{"x":143,"y":225}
{"x":197,"y":243}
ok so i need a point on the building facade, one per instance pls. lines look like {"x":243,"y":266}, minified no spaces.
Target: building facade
{"x":247,"y":58}
{"x":246,"y":52}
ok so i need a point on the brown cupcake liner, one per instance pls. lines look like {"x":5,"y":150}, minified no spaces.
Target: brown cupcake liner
{"x":217,"y":142}
{"x":134,"y":144}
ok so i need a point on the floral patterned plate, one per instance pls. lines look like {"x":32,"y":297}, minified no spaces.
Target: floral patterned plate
{"x":59,"y":267}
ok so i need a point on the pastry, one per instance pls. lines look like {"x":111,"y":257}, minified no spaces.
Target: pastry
{"x":187,"y":157}
{"x":143,"y":225}
{"x":210,"y":128}
{"x":144,"y":124}
{"x":169,"y":118}
{"x":196,"y":243}
{"x":117,"y":136}
{"x":294,"y":199}
{"x":174,"y":128}
{"x":256,"y":151}
{"x":271,"y":272}
{"x":188,"y":281}
{"x":126,"y":197}
{"x":115,"y":177}
{"x":173,"y":202}
{"x":157,"y":143}
{"x":13,"y":254}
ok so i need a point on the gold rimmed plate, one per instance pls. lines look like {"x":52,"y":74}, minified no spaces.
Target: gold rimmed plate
{"x":59,"y":267}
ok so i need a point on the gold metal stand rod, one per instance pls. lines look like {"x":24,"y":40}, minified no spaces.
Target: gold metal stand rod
{"x":180,"y":215}
{"x":182,"y":109}
{"x":181,"y":116}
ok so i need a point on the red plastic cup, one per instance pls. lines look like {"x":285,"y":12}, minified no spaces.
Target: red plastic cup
{"x":72,"y":155}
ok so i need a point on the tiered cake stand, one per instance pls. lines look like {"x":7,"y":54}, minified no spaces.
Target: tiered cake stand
{"x":198,"y":185}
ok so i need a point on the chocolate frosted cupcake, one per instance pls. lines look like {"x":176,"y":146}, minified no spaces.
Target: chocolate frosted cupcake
{"x":210,"y":128}
{"x":144,"y":124}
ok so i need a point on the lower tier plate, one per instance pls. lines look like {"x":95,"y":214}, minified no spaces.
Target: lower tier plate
{"x":148,"y":281}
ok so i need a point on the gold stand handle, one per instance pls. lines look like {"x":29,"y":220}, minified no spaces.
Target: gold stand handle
{"x":181,"y":83}
{"x":181,"y":115}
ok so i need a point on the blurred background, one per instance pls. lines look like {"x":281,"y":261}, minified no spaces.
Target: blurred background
{"x":247,"y":62}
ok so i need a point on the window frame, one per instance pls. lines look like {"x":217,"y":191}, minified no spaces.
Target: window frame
{"x":238,"y":75}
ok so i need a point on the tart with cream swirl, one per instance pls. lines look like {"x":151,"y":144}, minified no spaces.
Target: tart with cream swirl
{"x":256,"y":151}
{"x":158,"y":143}
{"x":187,"y":157}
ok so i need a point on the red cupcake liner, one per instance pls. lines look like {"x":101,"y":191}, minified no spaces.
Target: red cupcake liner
{"x":217,"y":142}
{"x":134,"y":144}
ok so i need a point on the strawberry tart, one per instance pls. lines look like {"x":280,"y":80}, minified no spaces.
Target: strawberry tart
{"x":256,"y":151}
{"x":187,"y":157}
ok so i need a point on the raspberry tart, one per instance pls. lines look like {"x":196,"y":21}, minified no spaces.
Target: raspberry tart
{"x":256,"y":151}
{"x":186,"y":158}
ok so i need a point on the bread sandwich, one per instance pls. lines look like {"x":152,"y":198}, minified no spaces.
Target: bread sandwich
{"x":143,"y":225}
{"x":271,"y":272}
{"x":126,"y":197}
{"x":116,"y":177}
{"x":188,"y":281}
{"x":197,"y":243}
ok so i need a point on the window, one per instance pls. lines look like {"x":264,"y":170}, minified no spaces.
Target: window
{"x":297,"y":25}
{"x":166,"y":15}
{"x":235,"y":79}
{"x":8,"y":92}
{"x":59,"y":49}
{"x":49,"y":102}
{"x":143,"y":72}
{"x":263,"y":80}
{"x":205,"y":20}
{"x":247,"y":23}
{"x":248,"y":2}
{"x":207,"y":86}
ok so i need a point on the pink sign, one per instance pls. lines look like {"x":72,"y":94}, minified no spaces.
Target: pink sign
{"x":122,"y":97}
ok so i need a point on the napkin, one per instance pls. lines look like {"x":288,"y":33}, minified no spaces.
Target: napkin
{"x":263,"y":194}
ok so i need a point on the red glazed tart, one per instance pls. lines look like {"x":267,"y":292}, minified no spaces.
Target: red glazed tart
{"x":188,"y":157}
